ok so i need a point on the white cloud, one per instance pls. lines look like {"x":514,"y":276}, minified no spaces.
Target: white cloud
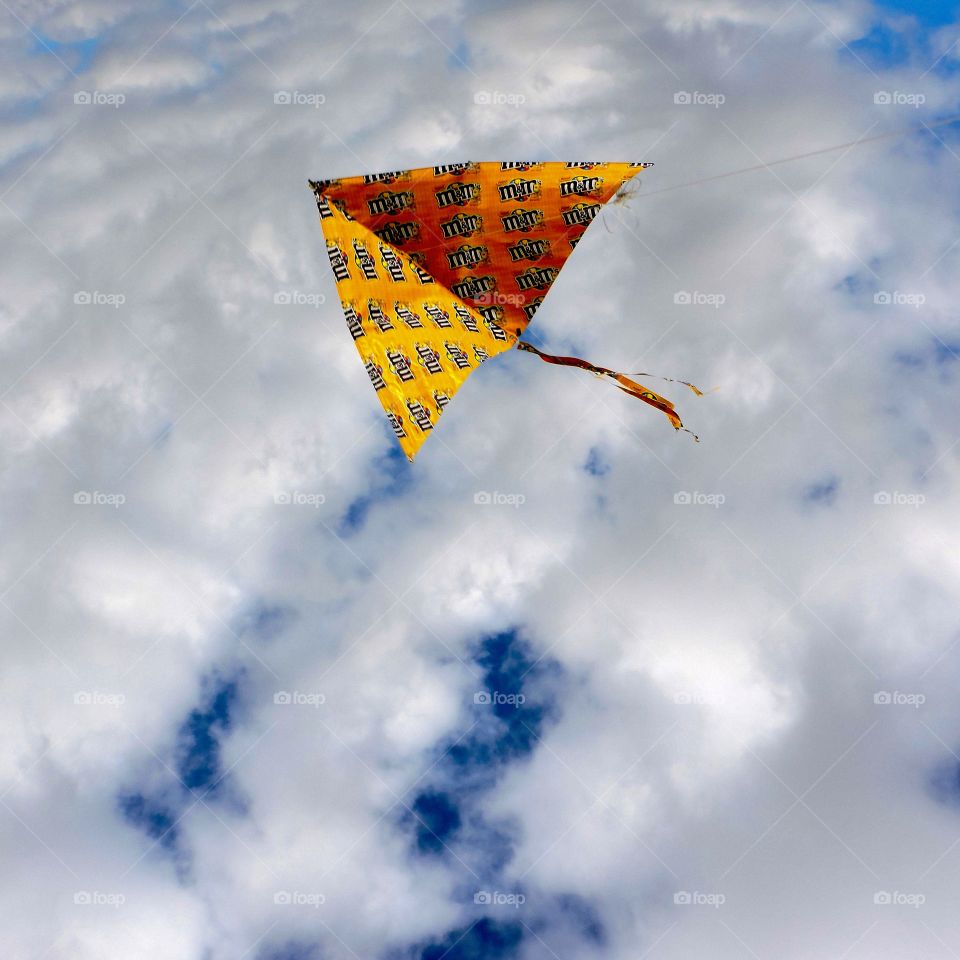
{"x":715,"y":728}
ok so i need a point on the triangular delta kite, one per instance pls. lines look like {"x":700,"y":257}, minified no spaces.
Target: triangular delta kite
{"x":440,"y":268}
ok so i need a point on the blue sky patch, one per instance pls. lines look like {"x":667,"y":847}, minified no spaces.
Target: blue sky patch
{"x":486,"y":939}
{"x":268,"y":621}
{"x":511,"y":704}
{"x":913,"y":361}
{"x":946,"y":352}
{"x":929,"y":13}
{"x":198,"y":763}
{"x":437,"y":821}
{"x":507,"y":715}
{"x":509,"y":668}
{"x":460,"y":59}
{"x":852,"y":283}
{"x":597,"y":464}
{"x":883,"y":47}
{"x":941,"y":352}
{"x":355,"y":516}
{"x":76,"y":54}
{"x":291,"y":951}
{"x":156,"y":820}
{"x":823,"y":491}
{"x":396,"y":478}
{"x":945,"y":783}
{"x":584,"y":917}
{"x":891,"y":43}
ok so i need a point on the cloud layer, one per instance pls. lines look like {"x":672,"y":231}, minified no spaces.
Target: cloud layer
{"x":269,"y":692}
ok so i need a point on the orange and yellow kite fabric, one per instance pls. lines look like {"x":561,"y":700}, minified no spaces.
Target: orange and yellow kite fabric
{"x":440,"y":268}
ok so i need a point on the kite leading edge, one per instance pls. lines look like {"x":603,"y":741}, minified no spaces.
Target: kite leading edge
{"x":440,"y":268}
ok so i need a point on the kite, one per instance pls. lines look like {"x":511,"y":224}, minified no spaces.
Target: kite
{"x":438,"y":269}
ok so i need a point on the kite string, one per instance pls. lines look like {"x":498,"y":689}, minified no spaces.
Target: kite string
{"x":800,"y":156}
{"x":624,"y":196}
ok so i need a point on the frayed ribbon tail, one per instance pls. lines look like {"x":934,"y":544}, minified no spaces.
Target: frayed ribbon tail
{"x":622,"y":381}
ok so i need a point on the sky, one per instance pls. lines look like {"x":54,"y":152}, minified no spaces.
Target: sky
{"x":570,"y":686}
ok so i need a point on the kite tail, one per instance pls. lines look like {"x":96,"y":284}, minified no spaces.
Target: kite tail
{"x":622,"y":381}
{"x":686,"y":383}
